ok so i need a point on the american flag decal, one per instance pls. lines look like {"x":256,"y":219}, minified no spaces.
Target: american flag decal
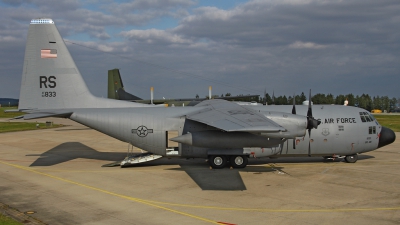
{"x":48,"y":53}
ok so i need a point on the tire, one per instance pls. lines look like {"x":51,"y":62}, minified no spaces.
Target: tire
{"x":351,"y":158}
{"x":217,"y":161}
{"x":238,"y":161}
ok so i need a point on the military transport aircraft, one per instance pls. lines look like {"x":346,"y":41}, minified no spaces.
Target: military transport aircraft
{"x":222,"y":131}
{"x":116,"y":91}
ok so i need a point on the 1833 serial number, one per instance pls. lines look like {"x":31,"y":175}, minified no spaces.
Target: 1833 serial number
{"x":48,"y":94}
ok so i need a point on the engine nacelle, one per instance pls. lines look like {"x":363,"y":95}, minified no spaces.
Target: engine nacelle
{"x":295,"y":125}
{"x":261,"y":152}
{"x":220,"y":139}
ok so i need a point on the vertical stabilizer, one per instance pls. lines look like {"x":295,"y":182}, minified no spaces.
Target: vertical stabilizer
{"x":114,"y":83}
{"x":50,"y":78}
{"x":116,"y":87}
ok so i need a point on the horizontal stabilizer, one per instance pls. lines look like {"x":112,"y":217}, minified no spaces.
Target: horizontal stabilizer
{"x":44,"y":114}
{"x":11,"y":110}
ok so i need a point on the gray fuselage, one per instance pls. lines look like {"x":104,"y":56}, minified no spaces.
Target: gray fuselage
{"x":342,"y":130}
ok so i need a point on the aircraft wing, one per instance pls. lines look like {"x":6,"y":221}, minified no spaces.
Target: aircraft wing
{"x":230,"y":117}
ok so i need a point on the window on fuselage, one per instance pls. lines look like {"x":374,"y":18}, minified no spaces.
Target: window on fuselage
{"x":372,"y":130}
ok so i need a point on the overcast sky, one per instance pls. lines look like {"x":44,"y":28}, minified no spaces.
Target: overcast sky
{"x":242,"y":47}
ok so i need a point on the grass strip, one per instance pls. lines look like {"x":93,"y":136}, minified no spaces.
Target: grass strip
{"x":20,"y":126}
{"x":389,"y":121}
{"x":10,"y":114}
{"x":5,"y":220}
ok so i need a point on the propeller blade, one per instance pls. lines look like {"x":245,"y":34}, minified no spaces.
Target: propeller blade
{"x":287,"y":146}
{"x":265,"y":97}
{"x":273,"y":98}
{"x":294,"y":105}
{"x":309,"y":112}
{"x":310,"y":121}
{"x":282,"y":146}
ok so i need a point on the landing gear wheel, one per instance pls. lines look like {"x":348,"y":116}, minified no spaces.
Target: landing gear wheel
{"x":351,"y":158}
{"x":217,"y":161}
{"x":238,"y":161}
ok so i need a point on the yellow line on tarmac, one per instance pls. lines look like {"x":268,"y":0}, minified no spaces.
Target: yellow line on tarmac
{"x":111,"y":193}
{"x":157,"y":203}
{"x":94,"y":171}
{"x":276,"y":210}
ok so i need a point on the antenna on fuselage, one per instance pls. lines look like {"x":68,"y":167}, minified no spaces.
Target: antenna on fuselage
{"x":151,"y":95}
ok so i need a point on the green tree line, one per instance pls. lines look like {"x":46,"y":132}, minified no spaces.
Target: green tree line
{"x":364,"y":101}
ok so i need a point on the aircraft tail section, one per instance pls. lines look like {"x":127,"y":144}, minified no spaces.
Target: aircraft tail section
{"x":50,"y":78}
{"x":116,"y":87}
{"x":114,"y":83}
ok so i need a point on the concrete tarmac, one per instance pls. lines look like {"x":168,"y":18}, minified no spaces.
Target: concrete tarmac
{"x":57,"y":174}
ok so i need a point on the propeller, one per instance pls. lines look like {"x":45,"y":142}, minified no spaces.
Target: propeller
{"x":294,"y":112}
{"x":311,"y":123}
{"x":273,"y":98}
{"x":265,"y":97}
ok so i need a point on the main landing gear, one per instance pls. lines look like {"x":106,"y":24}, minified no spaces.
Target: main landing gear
{"x":220,"y":161}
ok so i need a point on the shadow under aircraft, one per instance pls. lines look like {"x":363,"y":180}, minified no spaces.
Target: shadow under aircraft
{"x":207,"y":179}
{"x":73,"y":150}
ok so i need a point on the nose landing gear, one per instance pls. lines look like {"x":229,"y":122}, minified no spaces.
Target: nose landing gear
{"x":351,"y":158}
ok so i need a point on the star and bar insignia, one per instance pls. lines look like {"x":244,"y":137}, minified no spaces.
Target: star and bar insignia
{"x":142,"y":131}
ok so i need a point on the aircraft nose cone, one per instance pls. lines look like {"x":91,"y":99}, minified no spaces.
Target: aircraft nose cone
{"x":387,"y":137}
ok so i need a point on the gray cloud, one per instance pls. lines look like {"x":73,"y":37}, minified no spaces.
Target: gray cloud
{"x":147,"y":5}
{"x":154,"y":36}
{"x":336,"y":47}
{"x":139,"y":12}
{"x":261,"y":22}
{"x":15,"y":2}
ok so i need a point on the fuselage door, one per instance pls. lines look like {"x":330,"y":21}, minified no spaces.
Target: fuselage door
{"x":172,"y":147}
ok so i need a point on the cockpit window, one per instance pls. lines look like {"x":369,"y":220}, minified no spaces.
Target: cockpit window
{"x":366,"y":117}
{"x":362,"y":117}
{"x":371,"y":116}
